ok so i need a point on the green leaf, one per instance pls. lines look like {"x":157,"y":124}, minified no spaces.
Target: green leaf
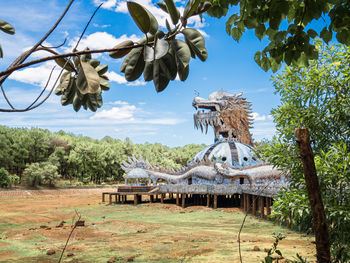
{"x":123,"y":52}
{"x":326,"y":35}
{"x":230,"y":22}
{"x":76,"y":103}
{"x":278,"y":252}
{"x":104,"y":83}
{"x":257,"y":57}
{"x":163,"y":6}
{"x":202,"y":7}
{"x":148,"y":54}
{"x":161,"y":48}
{"x":6,"y":27}
{"x":197,"y":42}
{"x":135,"y":64}
{"x":88,"y":80}
{"x":183,"y":74}
{"x":343,"y":36}
{"x":160,"y":79}
{"x":148,"y":71}
{"x":101,"y":69}
{"x":65,"y":63}
{"x":145,"y":21}
{"x":190,"y":8}
{"x":236,"y":33}
{"x":182,"y":57}
{"x":260,"y":31}
{"x":94,"y":62}
{"x":173,"y":12}
{"x":312,"y":33}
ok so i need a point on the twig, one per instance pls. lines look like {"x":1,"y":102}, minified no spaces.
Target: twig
{"x":4,"y":94}
{"x":76,"y":53}
{"x":25,"y":55}
{"x":88,"y":23}
{"x":70,"y":234}
{"x":41,"y":93}
{"x":64,"y":42}
{"x":242,"y":225}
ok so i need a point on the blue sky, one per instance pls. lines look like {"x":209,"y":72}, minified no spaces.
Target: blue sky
{"x":133,"y":110}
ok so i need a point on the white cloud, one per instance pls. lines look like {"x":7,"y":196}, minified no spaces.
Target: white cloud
{"x":118,"y":102}
{"x":160,"y":15}
{"x":257,"y":117}
{"x":130,"y":114}
{"x":123,"y":113}
{"x":100,"y":40}
{"x":115,"y":77}
{"x":107,"y":4}
{"x":37,"y":76}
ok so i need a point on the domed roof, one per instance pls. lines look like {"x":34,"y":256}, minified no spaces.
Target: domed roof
{"x":233,"y":153}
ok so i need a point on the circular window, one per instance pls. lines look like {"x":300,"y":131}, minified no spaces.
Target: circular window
{"x":245,"y":158}
{"x":223,"y":158}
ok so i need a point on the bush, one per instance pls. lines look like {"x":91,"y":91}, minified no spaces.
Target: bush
{"x":7,"y":179}
{"x":41,"y":173}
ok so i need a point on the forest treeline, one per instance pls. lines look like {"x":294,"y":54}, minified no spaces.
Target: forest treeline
{"x":43,"y":156}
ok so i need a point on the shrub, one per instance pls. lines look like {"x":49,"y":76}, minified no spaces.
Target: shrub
{"x":7,"y":179}
{"x":41,"y":173}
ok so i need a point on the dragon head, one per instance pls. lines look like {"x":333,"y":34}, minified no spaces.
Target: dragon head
{"x":229,"y":115}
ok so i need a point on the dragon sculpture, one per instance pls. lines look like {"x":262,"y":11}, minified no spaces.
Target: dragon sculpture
{"x":229,"y":115}
{"x":228,"y":160}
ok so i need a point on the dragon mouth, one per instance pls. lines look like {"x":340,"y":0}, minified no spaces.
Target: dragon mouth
{"x":204,"y":119}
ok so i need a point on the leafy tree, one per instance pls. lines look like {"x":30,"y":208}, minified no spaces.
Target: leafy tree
{"x":7,"y":179}
{"x":289,"y":26}
{"x":317,"y":97}
{"x":41,"y":173}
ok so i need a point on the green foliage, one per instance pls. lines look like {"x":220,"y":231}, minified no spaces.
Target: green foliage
{"x":84,"y":88}
{"x":317,"y":97}
{"x":8,"y":29}
{"x":80,"y":158}
{"x":41,"y":173}
{"x":287,"y":25}
{"x":269,"y":258}
{"x":32,"y":175}
{"x":7,"y":179}
{"x":163,"y":56}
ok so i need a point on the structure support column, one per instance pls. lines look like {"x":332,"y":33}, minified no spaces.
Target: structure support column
{"x":254,"y":204}
{"x":261,"y":206}
{"x":268,"y":207}
{"x":215,"y":202}
{"x":177,"y":199}
{"x":208,"y":200}
{"x":183,"y":200}
{"x":136,"y":199}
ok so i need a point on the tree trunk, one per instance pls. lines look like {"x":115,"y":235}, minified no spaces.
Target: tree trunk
{"x":315,"y":198}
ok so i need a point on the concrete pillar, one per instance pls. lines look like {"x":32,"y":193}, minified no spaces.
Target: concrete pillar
{"x":261,"y":206}
{"x":136,"y":199}
{"x":254,"y":197}
{"x":268,"y":207}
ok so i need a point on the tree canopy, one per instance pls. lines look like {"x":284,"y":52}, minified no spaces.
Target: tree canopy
{"x":317,"y":97}
{"x":289,"y":26}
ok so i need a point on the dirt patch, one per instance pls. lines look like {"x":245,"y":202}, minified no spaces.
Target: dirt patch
{"x":155,"y":232}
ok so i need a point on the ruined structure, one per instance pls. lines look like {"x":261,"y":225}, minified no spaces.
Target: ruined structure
{"x":228,"y":161}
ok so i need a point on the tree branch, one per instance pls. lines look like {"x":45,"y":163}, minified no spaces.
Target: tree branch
{"x":76,"y":53}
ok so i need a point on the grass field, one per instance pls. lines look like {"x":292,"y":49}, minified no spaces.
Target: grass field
{"x":144,"y":233}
